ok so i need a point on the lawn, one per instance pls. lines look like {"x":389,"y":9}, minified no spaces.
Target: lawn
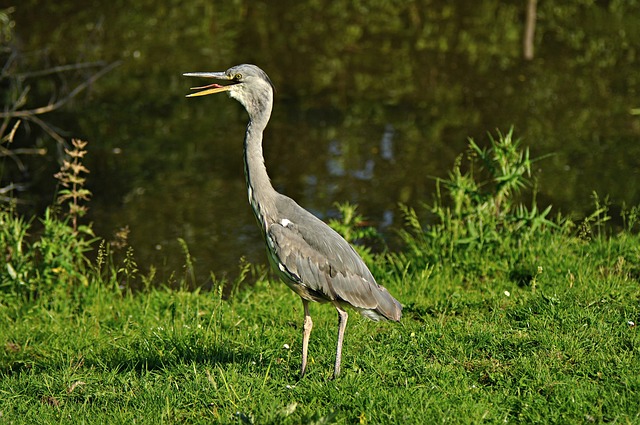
{"x":466,"y":351}
{"x":509,"y":316}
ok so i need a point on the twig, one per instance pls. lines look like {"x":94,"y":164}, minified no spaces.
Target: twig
{"x":29,"y":151}
{"x":61,"y":68}
{"x":6,"y":152}
{"x":51,"y":132}
{"x":29,"y":113}
{"x":11,"y":186}
{"x":9,"y":137}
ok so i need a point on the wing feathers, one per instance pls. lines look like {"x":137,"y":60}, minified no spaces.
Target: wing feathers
{"x":327,"y":265}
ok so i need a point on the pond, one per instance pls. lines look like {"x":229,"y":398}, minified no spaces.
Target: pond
{"x":374,"y":101}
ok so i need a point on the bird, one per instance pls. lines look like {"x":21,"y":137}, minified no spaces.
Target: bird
{"x":309,"y":256}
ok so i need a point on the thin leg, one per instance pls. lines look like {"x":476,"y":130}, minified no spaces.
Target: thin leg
{"x":306,"y":331}
{"x":342,"y":325}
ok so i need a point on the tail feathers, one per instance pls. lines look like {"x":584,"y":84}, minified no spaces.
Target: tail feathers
{"x":388,"y":307}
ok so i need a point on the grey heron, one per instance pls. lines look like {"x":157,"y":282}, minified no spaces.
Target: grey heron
{"x":309,"y":256}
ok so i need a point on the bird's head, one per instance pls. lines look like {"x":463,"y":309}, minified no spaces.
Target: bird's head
{"x":246,"y":83}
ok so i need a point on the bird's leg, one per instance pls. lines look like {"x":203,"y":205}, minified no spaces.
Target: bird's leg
{"x":342,"y":325}
{"x":306,"y":331}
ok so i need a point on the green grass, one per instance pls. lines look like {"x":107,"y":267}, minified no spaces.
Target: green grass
{"x":508,"y":317}
{"x":561,"y":351}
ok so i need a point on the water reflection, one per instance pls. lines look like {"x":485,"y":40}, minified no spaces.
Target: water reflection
{"x":386,"y":143}
{"x":335,"y":163}
{"x":371,"y":104}
{"x":335,"y":166}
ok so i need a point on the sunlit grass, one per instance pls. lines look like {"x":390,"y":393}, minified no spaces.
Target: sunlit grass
{"x":508,"y":317}
{"x":564,"y":351}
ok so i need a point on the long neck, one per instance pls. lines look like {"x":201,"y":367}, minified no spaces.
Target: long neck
{"x":262,"y":195}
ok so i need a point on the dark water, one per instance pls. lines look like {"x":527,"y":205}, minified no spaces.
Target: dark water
{"x":374,"y":99}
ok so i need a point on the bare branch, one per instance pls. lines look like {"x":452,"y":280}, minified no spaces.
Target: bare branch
{"x":61,"y":68}
{"x":47,"y":128}
{"x":53,"y":106}
{"x":30,"y":151}
{"x":16,"y":159}
{"x":9,"y":137}
{"x":12,"y":186}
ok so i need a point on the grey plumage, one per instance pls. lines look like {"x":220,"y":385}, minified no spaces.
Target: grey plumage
{"x":309,"y":256}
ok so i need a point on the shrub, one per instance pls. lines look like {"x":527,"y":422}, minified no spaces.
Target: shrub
{"x":477,"y":212}
{"x":35,"y":265}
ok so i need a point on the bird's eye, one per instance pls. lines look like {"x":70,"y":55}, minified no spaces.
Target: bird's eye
{"x":237,"y":77}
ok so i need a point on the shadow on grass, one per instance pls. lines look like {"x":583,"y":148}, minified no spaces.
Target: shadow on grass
{"x":141,"y":357}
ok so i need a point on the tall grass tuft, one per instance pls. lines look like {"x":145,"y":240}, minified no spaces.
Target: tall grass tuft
{"x":477,"y":210}
{"x":39,"y":260}
{"x":71,"y":178}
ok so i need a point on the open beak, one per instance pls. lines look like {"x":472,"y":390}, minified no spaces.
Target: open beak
{"x":210,"y":88}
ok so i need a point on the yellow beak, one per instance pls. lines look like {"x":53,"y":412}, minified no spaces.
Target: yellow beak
{"x":210,"y":88}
